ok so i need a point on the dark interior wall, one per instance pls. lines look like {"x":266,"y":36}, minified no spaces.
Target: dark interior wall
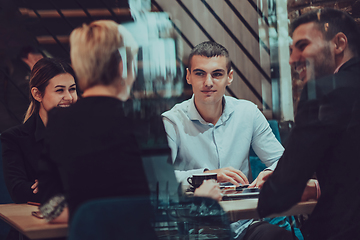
{"x":45,"y":25}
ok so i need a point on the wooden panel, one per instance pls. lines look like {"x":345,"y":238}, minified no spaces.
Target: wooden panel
{"x":73,"y":12}
{"x":191,"y":16}
{"x":238,"y":57}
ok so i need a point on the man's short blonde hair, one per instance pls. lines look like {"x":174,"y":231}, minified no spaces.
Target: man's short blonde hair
{"x":95,"y":52}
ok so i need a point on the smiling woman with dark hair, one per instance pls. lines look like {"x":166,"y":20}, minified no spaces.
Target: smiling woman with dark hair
{"x":52,"y":84}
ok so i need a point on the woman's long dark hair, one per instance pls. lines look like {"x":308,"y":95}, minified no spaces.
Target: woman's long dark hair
{"x":44,"y":70}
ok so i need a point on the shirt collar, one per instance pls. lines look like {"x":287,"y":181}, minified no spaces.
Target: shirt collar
{"x":352,"y":62}
{"x":229,"y":108}
{"x":195,"y":115}
{"x":338,"y":68}
{"x":193,"y":112}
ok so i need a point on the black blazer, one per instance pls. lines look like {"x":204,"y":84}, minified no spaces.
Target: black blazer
{"x":91,"y":152}
{"x":21,"y":149}
{"x":325,"y":140}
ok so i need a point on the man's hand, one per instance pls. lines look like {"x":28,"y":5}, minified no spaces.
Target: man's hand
{"x":260,"y":180}
{"x":35,"y":187}
{"x":230,"y":174}
{"x":210,"y":189}
{"x":310,"y":191}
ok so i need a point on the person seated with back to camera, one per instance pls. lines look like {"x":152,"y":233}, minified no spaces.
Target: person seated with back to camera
{"x":94,"y":132}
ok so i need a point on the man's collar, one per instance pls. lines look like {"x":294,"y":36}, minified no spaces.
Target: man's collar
{"x":352,"y":61}
{"x":193,"y":112}
{"x":338,"y":68}
{"x":195,"y":115}
{"x":228,"y":109}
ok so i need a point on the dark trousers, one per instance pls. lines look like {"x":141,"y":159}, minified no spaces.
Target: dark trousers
{"x":266,"y":231}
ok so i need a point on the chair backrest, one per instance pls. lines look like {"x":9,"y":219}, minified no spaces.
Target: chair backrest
{"x":116,"y":218}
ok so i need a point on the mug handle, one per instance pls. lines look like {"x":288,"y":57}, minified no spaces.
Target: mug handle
{"x":188,"y":180}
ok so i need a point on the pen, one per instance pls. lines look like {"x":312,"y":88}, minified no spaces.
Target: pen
{"x":34,"y":203}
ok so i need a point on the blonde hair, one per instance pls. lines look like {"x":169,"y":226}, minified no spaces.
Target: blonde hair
{"x":95,"y":53}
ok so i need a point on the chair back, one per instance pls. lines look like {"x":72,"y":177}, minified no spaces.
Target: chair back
{"x":114,"y":218}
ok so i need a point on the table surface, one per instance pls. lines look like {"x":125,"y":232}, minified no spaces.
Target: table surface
{"x":19,"y":217}
{"x":246,"y":209}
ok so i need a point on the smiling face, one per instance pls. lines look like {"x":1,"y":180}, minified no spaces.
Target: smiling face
{"x":209,"y":78}
{"x":310,"y":55}
{"x":60,"y":92}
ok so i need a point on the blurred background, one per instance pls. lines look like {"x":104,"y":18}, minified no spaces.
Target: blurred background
{"x":254,"y":31}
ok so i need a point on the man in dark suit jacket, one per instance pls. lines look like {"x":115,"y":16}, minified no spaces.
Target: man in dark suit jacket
{"x":326,"y":138}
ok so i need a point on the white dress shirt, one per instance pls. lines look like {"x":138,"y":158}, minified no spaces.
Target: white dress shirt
{"x":197,"y":145}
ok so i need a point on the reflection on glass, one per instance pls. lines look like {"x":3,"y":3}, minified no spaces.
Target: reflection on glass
{"x":160,"y":71}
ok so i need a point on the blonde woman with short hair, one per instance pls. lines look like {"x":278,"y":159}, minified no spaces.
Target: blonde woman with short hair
{"x":91,"y":146}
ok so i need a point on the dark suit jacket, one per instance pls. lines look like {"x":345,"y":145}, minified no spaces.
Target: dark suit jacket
{"x":91,"y":152}
{"x":21,"y":148}
{"x":325,"y":140}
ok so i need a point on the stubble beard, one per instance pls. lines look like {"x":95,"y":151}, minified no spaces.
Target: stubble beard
{"x":324,"y":65}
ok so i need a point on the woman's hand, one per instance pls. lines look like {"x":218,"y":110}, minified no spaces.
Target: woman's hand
{"x":210,"y":189}
{"x":35,"y":187}
{"x":261,"y":179}
{"x":311,"y":191}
